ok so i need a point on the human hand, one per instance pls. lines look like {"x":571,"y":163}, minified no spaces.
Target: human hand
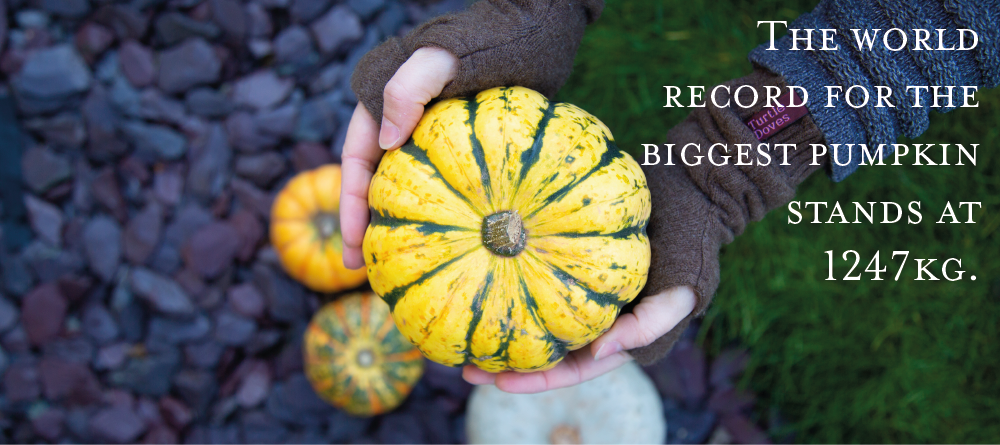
{"x":651,"y":318}
{"x":420,"y":79}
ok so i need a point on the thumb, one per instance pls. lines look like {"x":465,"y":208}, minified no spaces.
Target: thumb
{"x":654,"y":316}
{"x":420,"y":79}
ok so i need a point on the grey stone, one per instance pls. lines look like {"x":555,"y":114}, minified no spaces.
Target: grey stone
{"x":111,"y":357}
{"x":98,"y":324}
{"x":318,"y":117}
{"x":64,"y":130}
{"x":102,"y":245}
{"x":293,"y":45}
{"x":66,"y":8}
{"x":49,"y":77}
{"x":246,"y":135}
{"x":209,"y":166}
{"x":155,"y":142}
{"x":304,"y":11}
{"x":286,"y":301}
{"x":327,"y":78}
{"x":149,"y":375}
{"x":51,"y":263}
{"x":232,"y":329}
{"x":262,"y":90}
{"x":173,"y":27}
{"x":366,"y":8}
{"x":187,"y":65}
{"x":42,"y":313}
{"x":171,"y":331}
{"x":277,"y":123}
{"x":117,"y":424}
{"x":137,"y":63}
{"x":197,"y":389}
{"x":391,"y":19}
{"x":162,"y":293}
{"x":46,"y":219}
{"x":142,"y":234}
{"x":294,"y":402}
{"x":42,"y":168}
{"x":261,"y":168}
{"x":9,"y":314}
{"x":208,"y":102}
{"x":337,"y":29}
{"x":258,"y":427}
{"x":230,"y":16}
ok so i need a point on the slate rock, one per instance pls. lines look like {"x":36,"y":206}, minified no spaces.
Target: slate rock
{"x":137,"y":63}
{"x":63,"y":379}
{"x":155,"y":106}
{"x":42,"y":313}
{"x":446,"y":379}
{"x":149,"y":375}
{"x":16,"y":341}
{"x":230,"y":16}
{"x":173,"y":27}
{"x":285,"y":300}
{"x":168,"y":184}
{"x":105,"y":190}
{"x":50,"y":76}
{"x":9,"y":314}
{"x":309,"y":155}
{"x":209,"y":167}
{"x":245,"y":134}
{"x":400,"y":427}
{"x":205,"y":354}
{"x":175,"y":412}
{"x":42,"y":168}
{"x":337,"y":29}
{"x":304,"y":11}
{"x":187,"y":65}
{"x":98,"y":324}
{"x":22,"y":382}
{"x":102,"y":122}
{"x":162,"y":293}
{"x":250,"y":231}
{"x":233,"y":329}
{"x":261,"y":90}
{"x":318,"y":118}
{"x":46,"y":219}
{"x":74,"y":348}
{"x":252,"y":198}
{"x":293,"y":45}
{"x":117,"y":424}
{"x":255,"y":385}
{"x":197,"y":388}
{"x":327,"y":78}
{"x":246,"y":300}
{"x":391,"y":19}
{"x":345,"y":428}
{"x":682,"y":375}
{"x":208,"y":102}
{"x":258,"y":21}
{"x":186,"y":222}
{"x":66,"y":8}
{"x":142,"y":234}
{"x":294,"y":402}
{"x":211,"y":249}
{"x":366,"y":9}
{"x":64,"y":130}
{"x":49,"y":424}
{"x":277,"y":123}
{"x":102,"y":245}
{"x":263,"y":340}
{"x":111,"y":357}
{"x":155,"y":142}
{"x":261,"y":168}
{"x":160,"y":433}
{"x":48,"y":263}
{"x":92,"y":39}
{"x":258,"y":427}
{"x":17,"y":276}
{"x":170,"y":331}
{"x":688,"y":426}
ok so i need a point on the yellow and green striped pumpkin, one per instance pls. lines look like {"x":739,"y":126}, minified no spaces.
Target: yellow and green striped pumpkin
{"x":355,"y":357}
{"x":508,"y":231}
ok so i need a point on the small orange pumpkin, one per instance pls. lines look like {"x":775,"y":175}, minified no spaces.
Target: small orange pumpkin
{"x":305,"y":231}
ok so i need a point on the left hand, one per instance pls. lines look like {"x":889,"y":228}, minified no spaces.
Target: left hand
{"x":653,"y":317}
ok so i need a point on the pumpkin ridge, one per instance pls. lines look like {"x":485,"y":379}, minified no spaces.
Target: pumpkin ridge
{"x":610,"y":154}
{"x":419,"y":154}
{"x":477,"y":314}
{"x":383,"y":330}
{"x":636,"y":230}
{"x":600,"y":298}
{"x":471,"y":105}
{"x":393,"y":296}
{"x":530,"y":157}
{"x":542,"y":263}
{"x":556,"y":345}
{"x":636,"y":191}
{"x":424,"y":227}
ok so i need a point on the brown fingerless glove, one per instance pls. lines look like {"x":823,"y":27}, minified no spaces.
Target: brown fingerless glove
{"x":698,"y":209}
{"x":530,"y":43}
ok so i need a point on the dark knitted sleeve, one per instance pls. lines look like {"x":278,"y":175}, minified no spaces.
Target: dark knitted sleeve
{"x":698,"y":209}
{"x":530,"y":43}
{"x":848,"y":66}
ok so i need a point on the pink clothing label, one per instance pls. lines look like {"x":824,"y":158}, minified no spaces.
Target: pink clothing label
{"x":769,"y":121}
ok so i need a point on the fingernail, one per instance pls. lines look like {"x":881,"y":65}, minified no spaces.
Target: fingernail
{"x":388,"y":135}
{"x":608,"y":349}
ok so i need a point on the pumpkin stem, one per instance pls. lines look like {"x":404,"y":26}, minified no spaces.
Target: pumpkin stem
{"x":327,"y":225}
{"x":564,"y":434}
{"x":365,"y":358}
{"x":503,"y":233}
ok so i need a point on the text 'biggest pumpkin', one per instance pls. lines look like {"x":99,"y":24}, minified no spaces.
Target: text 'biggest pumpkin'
{"x":508,"y":231}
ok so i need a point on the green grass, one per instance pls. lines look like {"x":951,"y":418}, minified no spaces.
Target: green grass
{"x":843,"y":361}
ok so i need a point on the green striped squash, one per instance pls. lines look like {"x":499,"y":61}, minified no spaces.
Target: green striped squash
{"x":508,"y":231}
{"x":355,"y":357}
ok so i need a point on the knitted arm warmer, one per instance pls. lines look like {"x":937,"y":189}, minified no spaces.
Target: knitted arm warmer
{"x":848,"y":66}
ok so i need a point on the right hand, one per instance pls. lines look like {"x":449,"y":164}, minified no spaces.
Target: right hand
{"x":421,"y":78}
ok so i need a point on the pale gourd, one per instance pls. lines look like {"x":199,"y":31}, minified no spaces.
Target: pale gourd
{"x":622,"y":406}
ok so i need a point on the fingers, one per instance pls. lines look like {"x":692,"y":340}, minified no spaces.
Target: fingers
{"x":650,"y":319}
{"x":577,"y":367}
{"x":358,"y":163}
{"x":420,"y":79}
